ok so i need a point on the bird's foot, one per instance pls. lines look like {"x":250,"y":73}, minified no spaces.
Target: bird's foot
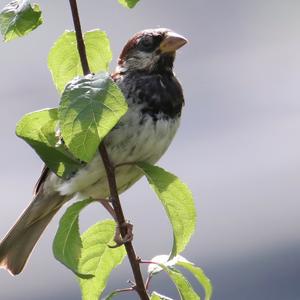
{"x":118,"y":239}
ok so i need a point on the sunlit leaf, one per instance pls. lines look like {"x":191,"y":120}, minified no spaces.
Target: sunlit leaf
{"x":157,"y":296}
{"x":163,"y":260}
{"x":67,"y":245}
{"x":90,"y":107}
{"x":38,"y":130}
{"x":129,"y":3}
{"x":98,"y":259}
{"x":178,"y":202}
{"x":64,"y":61}
{"x":18,"y":18}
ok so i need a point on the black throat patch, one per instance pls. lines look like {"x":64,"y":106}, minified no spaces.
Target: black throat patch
{"x":158,"y":94}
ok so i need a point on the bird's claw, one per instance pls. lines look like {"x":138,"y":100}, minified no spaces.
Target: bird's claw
{"x":118,"y":239}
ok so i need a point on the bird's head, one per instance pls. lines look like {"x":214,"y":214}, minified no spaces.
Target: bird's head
{"x":151,"y":50}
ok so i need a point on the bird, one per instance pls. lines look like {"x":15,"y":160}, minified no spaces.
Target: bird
{"x":154,"y":96}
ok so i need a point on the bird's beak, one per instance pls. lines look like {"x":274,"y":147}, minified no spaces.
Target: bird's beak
{"x":172,"y":42}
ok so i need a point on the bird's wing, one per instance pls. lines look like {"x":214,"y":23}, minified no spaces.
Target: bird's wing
{"x":41,"y":180}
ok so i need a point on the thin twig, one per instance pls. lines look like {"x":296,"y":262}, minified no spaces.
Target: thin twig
{"x":148,"y":281}
{"x":124,"y":290}
{"x":149,"y":262}
{"x":109,"y":208}
{"x":109,"y":168}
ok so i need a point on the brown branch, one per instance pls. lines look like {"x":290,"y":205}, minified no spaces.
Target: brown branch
{"x":133,"y":259}
{"x":110,"y":171}
{"x":79,"y":38}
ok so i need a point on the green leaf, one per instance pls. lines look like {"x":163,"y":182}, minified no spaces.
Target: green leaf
{"x":18,"y":18}
{"x":97,"y":258}
{"x":90,"y":107}
{"x":129,"y":3}
{"x":64,"y":61}
{"x":180,"y":261}
{"x":200,"y":276}
{"x":38,"y":130}
{"x":156,"y":296}
{"x":178,"y":202}
{"x":67,"y":245}
{"x":184,"y":288}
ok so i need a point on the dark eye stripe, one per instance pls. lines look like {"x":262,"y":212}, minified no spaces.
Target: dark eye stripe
{"x":149,"y":43}
{"x":147,"y":40}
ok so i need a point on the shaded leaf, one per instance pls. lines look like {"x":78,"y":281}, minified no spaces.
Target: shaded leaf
{"x":98,"y":259}
{"x":18,"y":18}
{"x":200,"y":275}
{"x":180,"y":261}
{"x":67,"y":245}
{"x":184,"y":288}
{"x":129,"y":3}
{"x":64,"y":61}
{"x":178,"y":202}
{"x":38,"y":130}
{"x":90,"y":107}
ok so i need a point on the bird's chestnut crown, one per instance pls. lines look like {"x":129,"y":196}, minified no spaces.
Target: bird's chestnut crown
{"x":151,"y":50}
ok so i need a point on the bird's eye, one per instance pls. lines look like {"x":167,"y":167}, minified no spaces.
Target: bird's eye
{"x":146,"y":43}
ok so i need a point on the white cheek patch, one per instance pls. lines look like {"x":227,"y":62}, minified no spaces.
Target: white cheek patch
{"x":141,"y":61}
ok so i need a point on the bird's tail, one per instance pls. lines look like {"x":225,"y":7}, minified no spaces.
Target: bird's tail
{"x":17,"y":245}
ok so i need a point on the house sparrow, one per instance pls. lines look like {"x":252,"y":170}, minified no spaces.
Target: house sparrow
{"x":155,"y":99}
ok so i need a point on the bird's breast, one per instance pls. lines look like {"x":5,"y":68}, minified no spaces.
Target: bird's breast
{"x":131,"y":141}
{"x":141,"y":138}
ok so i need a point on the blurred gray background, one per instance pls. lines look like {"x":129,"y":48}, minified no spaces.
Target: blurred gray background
{"x":238,"y":147}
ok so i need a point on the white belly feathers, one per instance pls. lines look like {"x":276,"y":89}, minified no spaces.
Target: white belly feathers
{"x":129,"y":142}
